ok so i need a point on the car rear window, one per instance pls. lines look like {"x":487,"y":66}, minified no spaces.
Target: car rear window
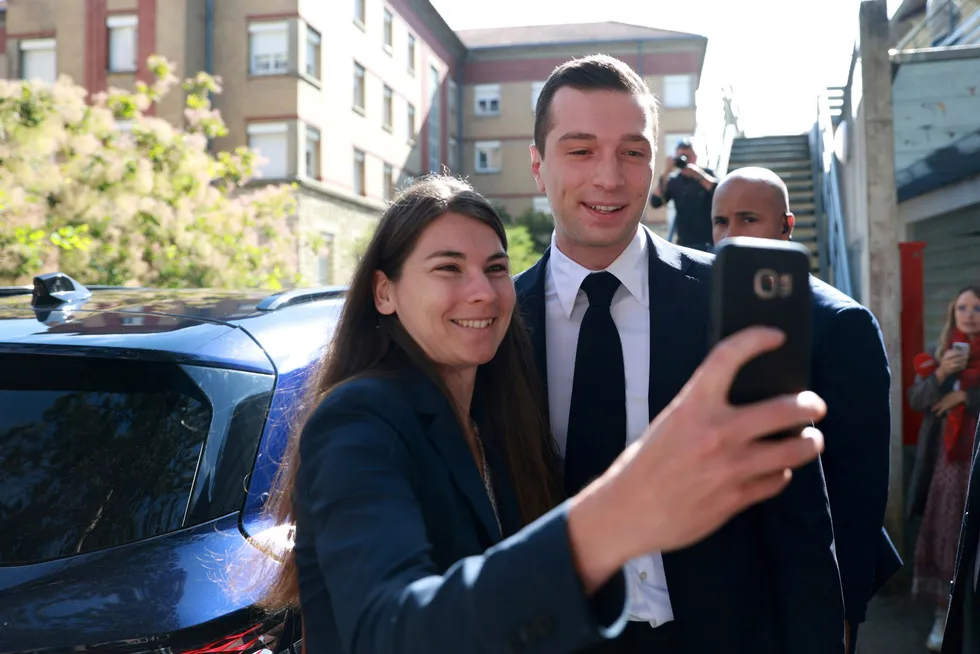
{"x":94,"y":452}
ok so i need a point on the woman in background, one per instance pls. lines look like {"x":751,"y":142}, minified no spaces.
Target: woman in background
{"x":947,"y":391}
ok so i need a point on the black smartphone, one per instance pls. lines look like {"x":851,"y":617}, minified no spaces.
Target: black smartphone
{"x":764,"y":282}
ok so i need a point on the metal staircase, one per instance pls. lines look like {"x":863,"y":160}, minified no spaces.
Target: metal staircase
{"x":789,"y":157}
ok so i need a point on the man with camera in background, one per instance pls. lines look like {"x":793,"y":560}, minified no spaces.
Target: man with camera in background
{"x":691,"y":188}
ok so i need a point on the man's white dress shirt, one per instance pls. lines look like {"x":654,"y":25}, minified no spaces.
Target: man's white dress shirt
{"x":565,"y":305}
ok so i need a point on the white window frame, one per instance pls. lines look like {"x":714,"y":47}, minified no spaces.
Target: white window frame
{"x":388,"y":108}
{"x":540,"y":204}
{"x":312,"y":140}
{"x":359,"y":101}
{"x":314,"y":52}
{"x":488,"y":148}
{"x":388,"y":31}
{"x":484,"y":97}
{"x":535,"y":92}
{"x":360,"y":176}
{"x":676,"y":97}
{"x":268,"y":63}
{"x":389,"y":181}
{"x":123,"y":32}
{"x":412,"y":52}
{"x":38,"y":46}
{"x":271,"y":129}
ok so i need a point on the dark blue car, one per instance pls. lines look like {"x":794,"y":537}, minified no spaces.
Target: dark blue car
{"x":139,"y":435}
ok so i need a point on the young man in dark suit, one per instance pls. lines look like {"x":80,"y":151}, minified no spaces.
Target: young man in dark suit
{"x":618,"y":318}
{"x":962,"y":634}
{"x":850,"y":370}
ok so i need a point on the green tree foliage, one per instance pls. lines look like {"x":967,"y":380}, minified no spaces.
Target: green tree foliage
{"x":147,"y":205}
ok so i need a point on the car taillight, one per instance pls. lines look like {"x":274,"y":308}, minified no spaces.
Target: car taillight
{"x":272,"y":636}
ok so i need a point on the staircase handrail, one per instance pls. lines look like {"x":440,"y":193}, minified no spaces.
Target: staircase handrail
{"x":833,"y":236}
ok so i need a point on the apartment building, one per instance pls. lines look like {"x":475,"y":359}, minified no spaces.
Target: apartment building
{"x":346,"y":98}
{"x":349,"y":98}
{"x":503,"y":75}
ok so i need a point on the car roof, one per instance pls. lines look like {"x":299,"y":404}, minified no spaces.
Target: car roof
{"x":287,"y":329}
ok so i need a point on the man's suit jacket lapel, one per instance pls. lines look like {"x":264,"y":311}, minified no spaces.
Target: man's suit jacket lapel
{"x":678,"y":323}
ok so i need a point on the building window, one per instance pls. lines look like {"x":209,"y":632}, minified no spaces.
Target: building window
{"x":435,"y":120}
{"x":271,"y":140}
{"x":312,"y":52}
{"x":38,"y":60}
{"x":453,"y":145}
{"x":269,"y":48}
{"x":312,"y":152}
{"x":324,"y":259}
{"x":389,"y":31}
{"x":122,"y":43}
{"x":453,"y":91}
{"x":678,"y":91}
{"x":541,"y":205}
{"x":389,"y":182}
{"x":360,"y":12}
{"x":412,"y":130}
{"x":486,"y":100}
{"x":535,"y":92}
{"x":488,"y":156}
{"x":359,"y":81}
{"x":411,"y":54}
{"x":388,"y":111}
{"x":359,"y":173}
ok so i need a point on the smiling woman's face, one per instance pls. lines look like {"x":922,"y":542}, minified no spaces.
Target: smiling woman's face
{"x":455,"y":297}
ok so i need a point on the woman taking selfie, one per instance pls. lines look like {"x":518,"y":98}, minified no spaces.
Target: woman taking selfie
{"x":424,"y":484}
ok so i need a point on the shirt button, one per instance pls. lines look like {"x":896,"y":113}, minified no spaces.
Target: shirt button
{"x":643,"y":576}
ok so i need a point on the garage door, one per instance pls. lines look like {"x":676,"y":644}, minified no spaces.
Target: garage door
{"x":951,"y":261}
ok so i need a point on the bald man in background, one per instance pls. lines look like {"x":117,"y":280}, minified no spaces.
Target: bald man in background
{"x":849,"y":369}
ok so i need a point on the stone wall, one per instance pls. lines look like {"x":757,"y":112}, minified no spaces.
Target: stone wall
{"x":345,"y":222}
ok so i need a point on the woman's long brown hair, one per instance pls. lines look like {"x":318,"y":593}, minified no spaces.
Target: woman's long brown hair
{"x":947,"y":332}
{"x":366,"y":343}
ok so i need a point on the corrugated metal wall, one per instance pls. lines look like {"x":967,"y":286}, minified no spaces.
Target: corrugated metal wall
{"x":951,"y":261}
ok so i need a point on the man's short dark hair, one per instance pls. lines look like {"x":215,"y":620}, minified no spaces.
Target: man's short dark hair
{"x":593,"y":73}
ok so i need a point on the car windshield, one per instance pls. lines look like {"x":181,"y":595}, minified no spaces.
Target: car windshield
{"x":94,"y":453}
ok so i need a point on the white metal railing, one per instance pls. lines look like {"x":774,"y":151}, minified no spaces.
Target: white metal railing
{"x":834,"y":245}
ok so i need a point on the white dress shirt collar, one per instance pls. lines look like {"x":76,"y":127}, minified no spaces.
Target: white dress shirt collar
{"x":631,"y":268}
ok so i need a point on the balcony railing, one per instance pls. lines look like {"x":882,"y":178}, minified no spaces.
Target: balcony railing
{"x":953,"y":22}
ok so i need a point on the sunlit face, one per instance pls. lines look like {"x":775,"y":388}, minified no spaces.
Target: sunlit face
{"x":966,"y":312}
{"x":744,"y":207}
{"x":597,"y":169}
{"x":455,"y":296}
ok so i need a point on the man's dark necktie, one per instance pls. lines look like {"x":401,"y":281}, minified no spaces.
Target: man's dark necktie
{"x":597,"y":418}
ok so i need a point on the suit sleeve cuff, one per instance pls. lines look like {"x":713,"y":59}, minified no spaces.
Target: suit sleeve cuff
{"x":567,"y":618}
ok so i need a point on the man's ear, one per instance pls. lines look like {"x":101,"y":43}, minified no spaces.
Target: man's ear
{"x":536,"y":161}
{"x":384,"y":300}
{"x":789,"y":222}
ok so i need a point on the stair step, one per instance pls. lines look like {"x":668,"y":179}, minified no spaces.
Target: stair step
{"x":774,"y":165}
{"x":798,"y":138}
{"x":799,"y":185}
{"x":762,"y":154}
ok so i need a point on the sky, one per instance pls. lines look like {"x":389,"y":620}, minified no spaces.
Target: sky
{"x":776,"y":54}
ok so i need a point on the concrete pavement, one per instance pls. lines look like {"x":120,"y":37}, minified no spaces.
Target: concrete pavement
{"x":896,"y":624}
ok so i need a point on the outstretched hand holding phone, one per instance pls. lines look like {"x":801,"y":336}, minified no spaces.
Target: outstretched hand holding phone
{"x":700,"y":462}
